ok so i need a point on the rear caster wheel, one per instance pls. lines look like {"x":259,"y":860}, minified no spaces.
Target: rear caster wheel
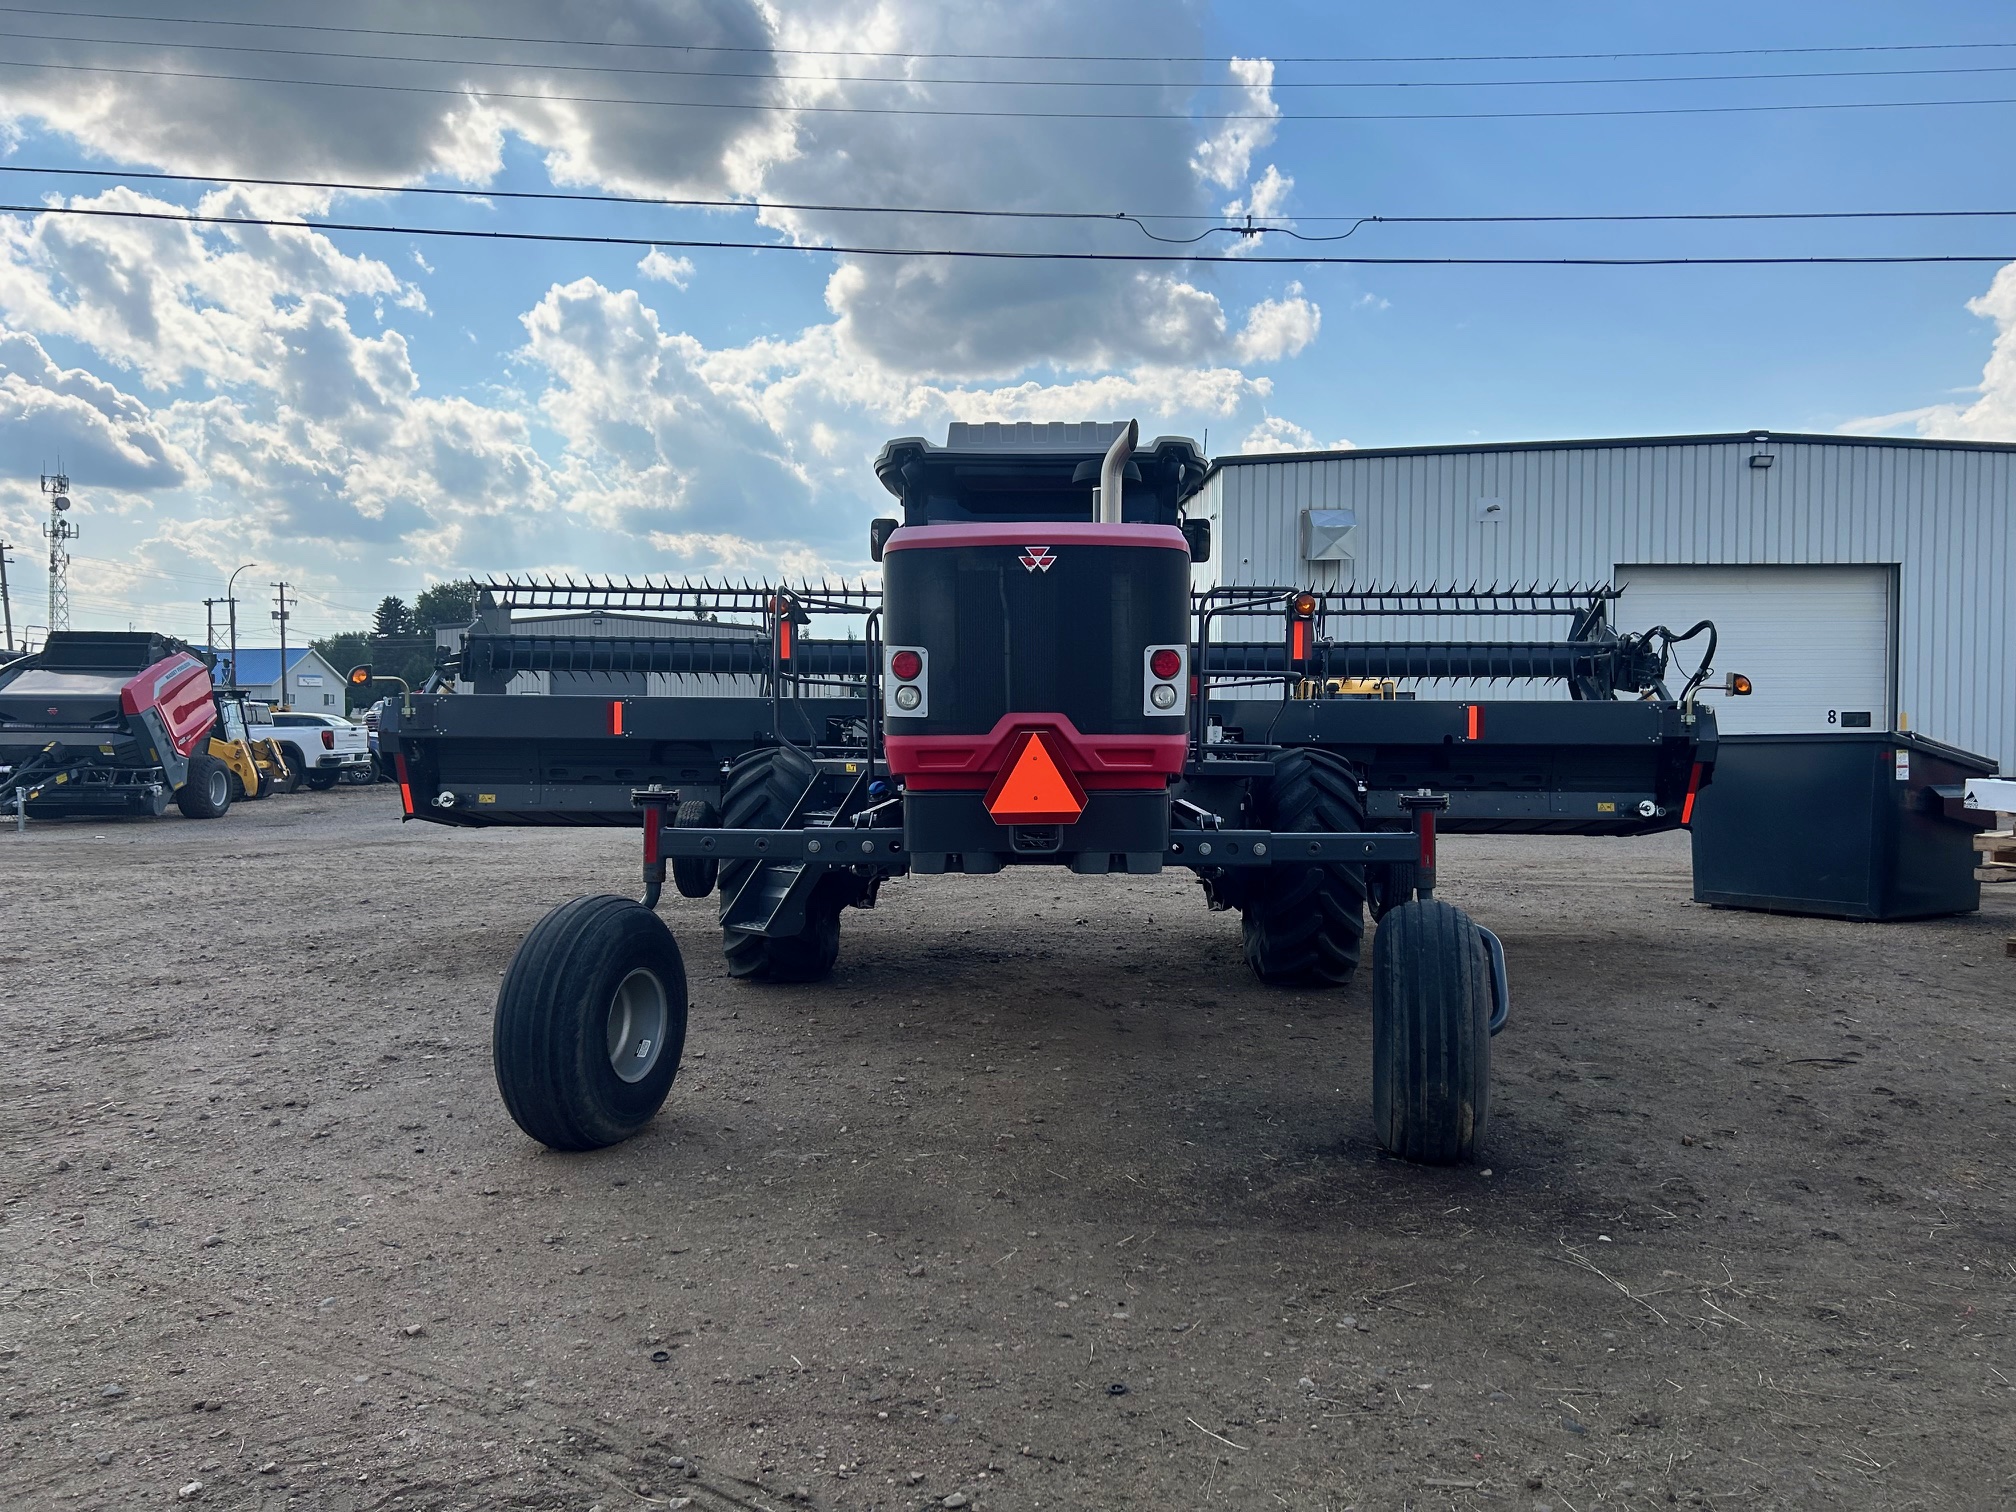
{"x":1431,"y":1033}
{"x":590,"y":1023}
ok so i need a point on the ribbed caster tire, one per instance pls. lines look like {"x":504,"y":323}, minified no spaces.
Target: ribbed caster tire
{"x":590,"y":1023}
{"x":1431,"y":1035}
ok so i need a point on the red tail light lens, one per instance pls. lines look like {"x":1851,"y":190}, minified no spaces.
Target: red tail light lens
{"x":906,"y":665}
{"x":1165,"y":663}
{"x":328,"y":740}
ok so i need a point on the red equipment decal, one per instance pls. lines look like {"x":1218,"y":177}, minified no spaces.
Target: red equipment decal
{"x":1037,"y":558}
{"x":1035,"y":787}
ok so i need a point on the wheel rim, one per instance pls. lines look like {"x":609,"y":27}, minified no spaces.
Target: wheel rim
{"x":220,"y":789}
{"x":637,"y":1018}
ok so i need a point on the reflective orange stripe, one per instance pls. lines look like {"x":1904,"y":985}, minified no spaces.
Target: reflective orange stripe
{"x":1476,"y":720}
{"x":1693,"y":786}
{"x":616,"y":717}
{"x":1298,"y":639}
{"x":405,"y":787}
{"x":783,"y":640}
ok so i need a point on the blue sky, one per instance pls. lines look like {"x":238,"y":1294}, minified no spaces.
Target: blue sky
{"x":365,"y":414}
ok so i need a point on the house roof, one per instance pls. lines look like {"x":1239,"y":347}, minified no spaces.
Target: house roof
{"x":257,"y":665}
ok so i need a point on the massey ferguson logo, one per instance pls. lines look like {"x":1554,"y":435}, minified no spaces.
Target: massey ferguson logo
{"x":1038,"y":558}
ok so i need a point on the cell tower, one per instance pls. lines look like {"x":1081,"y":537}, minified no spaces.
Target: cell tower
{"x":60,"y":532}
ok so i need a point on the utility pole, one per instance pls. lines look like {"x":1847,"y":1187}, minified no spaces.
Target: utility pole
{"x":281,"y":615}
{"x":60,"y":532}
{"x":210,"y":624}
{"x":6,"y":603}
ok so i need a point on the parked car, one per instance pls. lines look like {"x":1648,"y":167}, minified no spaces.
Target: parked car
{"x":327,"y":745}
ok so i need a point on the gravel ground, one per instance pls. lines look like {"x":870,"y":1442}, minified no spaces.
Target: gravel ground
{"x":1040,"y":1202}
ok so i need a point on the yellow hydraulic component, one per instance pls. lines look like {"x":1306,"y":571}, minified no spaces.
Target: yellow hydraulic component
{"x":1348,"y":687}
{"x":1364,"y":687}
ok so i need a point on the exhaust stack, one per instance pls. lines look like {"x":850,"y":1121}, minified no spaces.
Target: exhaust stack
{"x":1110,"y":470}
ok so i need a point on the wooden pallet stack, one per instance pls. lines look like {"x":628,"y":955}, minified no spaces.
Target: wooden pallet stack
{"x":1997,"y":850}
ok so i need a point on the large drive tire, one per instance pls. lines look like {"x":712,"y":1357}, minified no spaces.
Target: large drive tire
{"x":321,"y":781}
{"x":1431,"y":1035}
{"x":763,"y":788}
{"x":207,"y":793}
{"x":695,"y":876}
{"x":590,"y":1023}
{"x":1304,"y":926}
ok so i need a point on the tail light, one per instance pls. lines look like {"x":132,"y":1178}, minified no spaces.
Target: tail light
{"x":1166,"y":690}
{"x":328,"y":740}
{"x":906,"y":692}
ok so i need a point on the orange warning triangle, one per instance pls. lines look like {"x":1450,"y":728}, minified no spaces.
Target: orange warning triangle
{"x":1034,"y":788}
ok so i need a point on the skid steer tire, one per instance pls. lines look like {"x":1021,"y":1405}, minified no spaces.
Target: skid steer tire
{"x":207,"y":792}
{"x":590,"y":1024}
{"x":763,"y":789}
{"x":695,"y":876}
{"x":1431,"y":1036}
{"x":1304,"y":926}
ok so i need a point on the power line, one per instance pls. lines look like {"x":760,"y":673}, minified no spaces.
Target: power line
{"x":830,"y":52}
{"x":1261,"y":223}
{"x":1300,"y":259}
{"x":769,"y":107}
{"x":912,"y":81}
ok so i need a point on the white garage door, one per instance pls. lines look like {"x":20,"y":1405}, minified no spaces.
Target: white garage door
{"x":1814,"y":640}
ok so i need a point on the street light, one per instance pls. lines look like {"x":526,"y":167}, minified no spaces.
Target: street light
{"x":231,"y":601}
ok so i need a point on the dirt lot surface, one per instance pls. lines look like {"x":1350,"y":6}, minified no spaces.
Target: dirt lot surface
{"x":1040,"y":1202}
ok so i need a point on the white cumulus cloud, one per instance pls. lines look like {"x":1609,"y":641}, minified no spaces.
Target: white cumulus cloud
{"x":1277,"y":328}
{"x":1274,"y":434}
{"x":676,"y":271}
{"x":1992,"y":415}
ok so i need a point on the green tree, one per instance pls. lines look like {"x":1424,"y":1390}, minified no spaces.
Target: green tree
{"x":393,"y":618}
{"x":445,"y":604}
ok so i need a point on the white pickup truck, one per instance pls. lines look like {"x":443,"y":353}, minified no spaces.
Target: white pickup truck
{"x":325,"y":745}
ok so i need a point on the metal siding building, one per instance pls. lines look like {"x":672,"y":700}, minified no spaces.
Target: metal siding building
{"x":1936,"y":519}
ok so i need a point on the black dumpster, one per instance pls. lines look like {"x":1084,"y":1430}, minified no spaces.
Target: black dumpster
{"x":1861,"y":826}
